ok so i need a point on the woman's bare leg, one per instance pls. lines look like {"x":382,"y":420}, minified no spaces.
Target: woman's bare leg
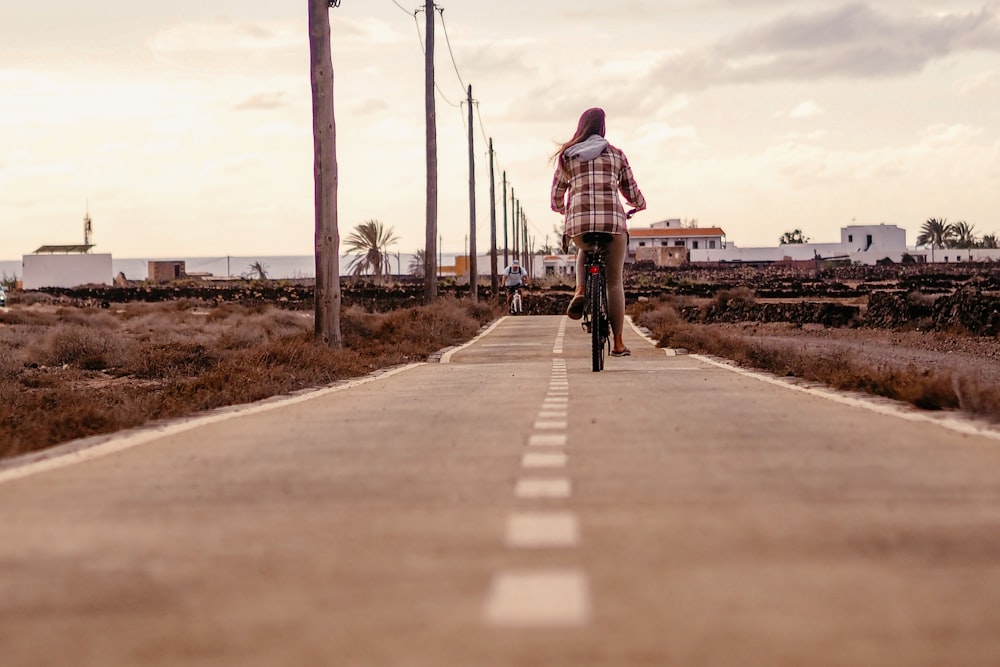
{"x":616,"y":286}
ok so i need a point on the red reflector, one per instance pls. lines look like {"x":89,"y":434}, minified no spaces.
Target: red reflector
{"x":595,"y":270}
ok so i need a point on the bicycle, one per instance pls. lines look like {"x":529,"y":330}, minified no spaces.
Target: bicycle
{"x":595,"y":315}
{"x":516,"y":306}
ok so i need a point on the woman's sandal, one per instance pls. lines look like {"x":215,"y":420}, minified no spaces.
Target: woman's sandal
{"x":575,"y":309}
{"x":624,"y":353}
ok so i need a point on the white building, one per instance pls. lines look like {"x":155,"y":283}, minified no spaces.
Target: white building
{"x":672,"y":234}
{"x":859,"y":244}
{"x":65,"y":266}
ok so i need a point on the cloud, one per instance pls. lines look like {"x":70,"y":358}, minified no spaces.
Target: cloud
{"x":807,"y":109}
{"x":263,"y":102}
{"x":226,"y":37}
{"x":978,"y":84}
{"x":370,"y":107}
{"x":850,"y":41}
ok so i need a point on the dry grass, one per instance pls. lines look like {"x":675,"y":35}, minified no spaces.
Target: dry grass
{"x":924,"y":388}
{"x":67,"y":373}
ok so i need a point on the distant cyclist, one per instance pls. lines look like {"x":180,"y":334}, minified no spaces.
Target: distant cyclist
{"x":590,"y":173}
{"x":514,"y":278}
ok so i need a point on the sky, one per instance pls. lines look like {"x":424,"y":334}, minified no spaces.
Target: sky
{"x":185,"y":127}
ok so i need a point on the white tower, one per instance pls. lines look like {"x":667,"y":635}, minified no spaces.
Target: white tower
{"x":88,"y":229}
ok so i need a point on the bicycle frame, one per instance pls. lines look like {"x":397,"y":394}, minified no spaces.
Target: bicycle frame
{"x":516,"y":303}
{"x":596,"y":321}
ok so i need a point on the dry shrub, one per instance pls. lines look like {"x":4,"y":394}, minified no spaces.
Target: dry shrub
{"x":729,"y":297}
{"x":100,"y":319}
{"x":175,"y":359}
{"x":30,"y":298}
{"x":928,"y":390}
{"x":241,"y":337}
{"x":921,"y":299}
{"x":175,"y":362}
{"x":414,"y":332}
{"x":82,"y":347}
{"x":11,"y":364}
{"x":976,"y":398}
{"x":242,"y":331}
{"x":659,"y":315}
{"x":74,"y":414}
{"x":28,"y":317}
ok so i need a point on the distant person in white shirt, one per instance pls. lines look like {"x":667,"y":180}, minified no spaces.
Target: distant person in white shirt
{"x":514,"y":277}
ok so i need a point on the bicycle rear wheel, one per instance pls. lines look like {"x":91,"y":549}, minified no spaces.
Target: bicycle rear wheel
{"x":598,"y":317}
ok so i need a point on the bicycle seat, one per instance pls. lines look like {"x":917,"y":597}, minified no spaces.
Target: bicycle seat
{"x":596,"y":238}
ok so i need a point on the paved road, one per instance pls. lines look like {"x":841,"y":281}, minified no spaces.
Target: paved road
{"x":509,"y":507}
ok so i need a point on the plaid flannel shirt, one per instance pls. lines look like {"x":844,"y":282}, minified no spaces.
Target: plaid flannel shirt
{"x":586,"y":192}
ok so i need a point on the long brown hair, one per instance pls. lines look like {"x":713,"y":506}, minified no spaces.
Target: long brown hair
{"x":591,"y":122}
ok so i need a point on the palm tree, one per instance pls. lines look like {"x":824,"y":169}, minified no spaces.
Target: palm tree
{"x":793,"y":237}
{"x":963,"y":235}
{"x":936,"y":234}
{"x":990,"y":241}
{"x":370,"y":241}
{"x":259,"y":269}
{"x":417,"y":263}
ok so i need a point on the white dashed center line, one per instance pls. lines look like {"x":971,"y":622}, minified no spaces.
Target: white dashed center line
{"x":542,"y":488}
{"x":542,"y":530}
{"x":543,"y":460}
{"x":541,"y":440}
{"x":538,"y":598}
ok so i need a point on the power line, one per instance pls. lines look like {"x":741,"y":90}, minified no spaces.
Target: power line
{"x":482,"y":126}
{"x":423,"y":49}
{"x":403,"y":8}
{"x":450,"y":52}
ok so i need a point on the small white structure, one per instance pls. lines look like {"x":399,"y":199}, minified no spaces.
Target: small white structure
{"x":958,"y":255}
{"x":556,"y":265}
{"x":859,"y":244}
{"x":65,"y":269}
{"x":672,"y":234}
{"x":67,"y":265}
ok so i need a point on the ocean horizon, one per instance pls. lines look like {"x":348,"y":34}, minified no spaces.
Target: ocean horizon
{"x":277,"y":267}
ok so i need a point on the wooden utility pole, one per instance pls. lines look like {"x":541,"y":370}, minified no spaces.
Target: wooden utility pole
{"x":505,"y":262}
{"x":494,"y":278}
{"x":517,"y":231}
{"x":513,"y":223}
{"x":524,"y":246}
{"x":327,"y":292}
{"x":430,"y":240}
{"x":473,"y":269}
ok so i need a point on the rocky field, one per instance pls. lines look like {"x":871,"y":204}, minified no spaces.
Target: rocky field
{"x":938,"y":316}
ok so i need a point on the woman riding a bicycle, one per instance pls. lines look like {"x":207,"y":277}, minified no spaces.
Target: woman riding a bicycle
{"x":590,"y":173}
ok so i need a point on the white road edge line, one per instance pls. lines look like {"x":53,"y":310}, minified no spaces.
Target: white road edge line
{"x":146,"y":434}
{"x":896,"y":409}
{"x":446,"y":357}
